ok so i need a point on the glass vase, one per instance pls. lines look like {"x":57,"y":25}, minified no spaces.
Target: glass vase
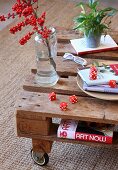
{"x":46,"y":52}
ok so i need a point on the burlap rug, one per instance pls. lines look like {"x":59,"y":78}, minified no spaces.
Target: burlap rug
{"x":15,"y":64}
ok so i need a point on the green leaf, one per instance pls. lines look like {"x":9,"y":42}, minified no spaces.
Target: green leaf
{"x":81,"y":4}
{"x":90,"y":20}
{"x":112,"y":71}
{"x":112,"y":13}
{"x":108,"y":11}
{"x":79,"y":26}
{"x":102,"y":71}
{"x":104,"y":65}
{"x":96,"y":63}
{"x":91,"y":2}
{"x":79,"y":20}
{"x":94,"y":5}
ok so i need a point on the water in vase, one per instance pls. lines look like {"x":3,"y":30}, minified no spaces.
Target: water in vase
{"x":46,"y":72}
{"x":46,"y":52}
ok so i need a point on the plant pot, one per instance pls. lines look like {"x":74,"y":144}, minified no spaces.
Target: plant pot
{"x":92,"y":41}
{"x":46,"y":51}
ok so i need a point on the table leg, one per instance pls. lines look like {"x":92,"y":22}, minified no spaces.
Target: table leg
{"x":42,"y":146}
{"x":40,"y":150}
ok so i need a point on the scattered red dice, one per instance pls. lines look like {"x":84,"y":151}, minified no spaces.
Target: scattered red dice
{"x":93,"y":68}
{"x":93,"y":76}
{"x":93,"y":73}
{"x":112,"y":83}
{"x":52,"y":96}
{"x":73,"y":99}
{"x":63,"y":106}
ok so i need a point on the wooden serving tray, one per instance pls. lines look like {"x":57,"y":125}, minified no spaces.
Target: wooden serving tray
{"x":103,"y":96}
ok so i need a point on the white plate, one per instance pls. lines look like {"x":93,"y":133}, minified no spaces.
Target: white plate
{"x":99,"y":95}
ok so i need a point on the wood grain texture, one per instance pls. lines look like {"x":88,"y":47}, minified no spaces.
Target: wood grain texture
{"x":32,"y":126}
{"x":65,"y":35}
{"x":87,"y":109}
{"x":53,"y":137}
{"x":69,"y":68}
{"x":15,"y":63}
{"x":66,"y":85}
{"x":65,"y":46}
{"x":41,"y":146}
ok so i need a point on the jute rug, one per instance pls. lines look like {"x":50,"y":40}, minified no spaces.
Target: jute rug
{"x":15,"y":64}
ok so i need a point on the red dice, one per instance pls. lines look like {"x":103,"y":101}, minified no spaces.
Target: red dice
{"x":73,"y":99}
{"x":93,"y":73}
{"x":112,"y":83}
{"x":63,"y":106}
{"x":52,"y":96}
{"x":93,"y":76}
{"x":93,"y":68}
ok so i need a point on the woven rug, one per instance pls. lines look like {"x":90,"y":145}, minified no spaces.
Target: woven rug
{"x":15,"y":64}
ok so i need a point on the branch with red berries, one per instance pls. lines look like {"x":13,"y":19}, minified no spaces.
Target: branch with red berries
{"x":27,"y":9}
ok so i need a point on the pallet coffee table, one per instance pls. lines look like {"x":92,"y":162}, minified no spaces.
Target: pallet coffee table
{"x":35,"y":113}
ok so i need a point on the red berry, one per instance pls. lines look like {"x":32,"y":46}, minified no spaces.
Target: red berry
{"x":35,"y":0}
{"x":2,"y":18}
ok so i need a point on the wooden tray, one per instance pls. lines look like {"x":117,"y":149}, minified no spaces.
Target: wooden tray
{"x":99,"y":95}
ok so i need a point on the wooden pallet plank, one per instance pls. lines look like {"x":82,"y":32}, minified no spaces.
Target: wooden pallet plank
{"x":64,"y":86}
{"x":41,"y":146}
{"x":64,"y":45}
{"x":69,"y":68}
{"x":87,"y":109}
{"x":53,"y":137}
{"x":32,"y":126}
{"x":65,"y":35}
{"x":67,"y":48}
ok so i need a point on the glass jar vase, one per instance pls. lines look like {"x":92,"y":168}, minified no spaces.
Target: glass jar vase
{"x":46,"y":52}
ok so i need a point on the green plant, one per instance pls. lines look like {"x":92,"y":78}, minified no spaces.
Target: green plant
{"x":92,"y":19}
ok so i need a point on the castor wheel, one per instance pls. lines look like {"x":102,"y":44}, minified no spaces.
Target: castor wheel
{"x":40,"y":158}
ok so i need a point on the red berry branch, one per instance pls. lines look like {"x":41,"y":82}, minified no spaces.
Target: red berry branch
{"x":27,"y":9}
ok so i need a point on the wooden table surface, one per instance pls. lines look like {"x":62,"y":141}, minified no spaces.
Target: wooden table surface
{"x":67,"y":85}
{"x":33,"y":103}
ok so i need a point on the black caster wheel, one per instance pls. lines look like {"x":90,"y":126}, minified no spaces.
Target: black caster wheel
{"x":40,"y":158}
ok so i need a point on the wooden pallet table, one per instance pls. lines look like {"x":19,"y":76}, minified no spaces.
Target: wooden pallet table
{"x":34,"y":111}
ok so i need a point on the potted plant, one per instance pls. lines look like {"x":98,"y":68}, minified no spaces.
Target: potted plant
{"x":93,"y":21}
